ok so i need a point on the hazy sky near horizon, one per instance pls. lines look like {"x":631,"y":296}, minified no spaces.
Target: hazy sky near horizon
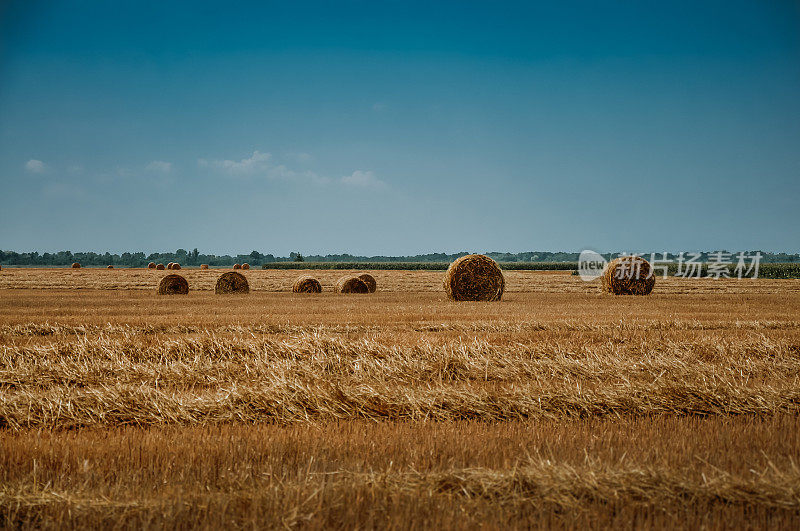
{"x":399,"y":127}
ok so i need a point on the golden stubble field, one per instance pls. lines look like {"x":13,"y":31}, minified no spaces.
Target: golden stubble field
{"x":557,"y":407}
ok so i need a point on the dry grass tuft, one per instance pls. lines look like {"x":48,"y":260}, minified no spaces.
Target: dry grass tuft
{"x":160,"y":267}
{"x":108,"y":378}
{"x":583,"y":474}
{"x":173,"y":285}
{"x":231,"y":282}
{"x":474,"y":277}
{"x":369,"y":280}
{"x":348,"y":284}
{"x":306,"y":284}
{"x":628,"y":275}
{"x":76,"y":265}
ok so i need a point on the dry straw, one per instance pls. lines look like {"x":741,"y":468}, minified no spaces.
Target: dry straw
{"x":160,"y":267}
{"x":474,"y":277}
{"x":307,"y":284}
{"x":173,"y":285}
{"x":628,"y":275}
{"x":203,"y":266}
{"x":245,"y":266}
{"x":151,"y":265}
{"x":237,"y":266}
{"x":231,"y":282}
{"x":169,"y":265}
{"x":351,"y":285}
{"x":176,"y":265}
{"x":369,"y":280}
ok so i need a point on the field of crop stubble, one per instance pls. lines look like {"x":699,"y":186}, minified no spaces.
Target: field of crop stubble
{"x":558,"y":406}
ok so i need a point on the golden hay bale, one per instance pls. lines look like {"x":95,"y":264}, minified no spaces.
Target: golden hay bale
{"x":369,"y":280}
{"x":160,"y":267}
{"x":176,"y":265}
{"x":232,"y":282}
{"x":245,"y":266}
{"x":76,"y":265}
{"x":306,"y":284}
{"x":203,"y":266}
{"x":169,"y":265}
{"x":628,"y":275}
{"x":151,"y":265}
{"x":351,"y":285}
{"x":474,"y":277}
{"x":173,"y":285}
{"x":237,"y":266}
{"x":109,"y":267}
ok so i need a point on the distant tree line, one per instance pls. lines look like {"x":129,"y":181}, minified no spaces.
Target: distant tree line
{"x":139,"y":259}
{"x":255,"y":258}
{"x":530,"y":256}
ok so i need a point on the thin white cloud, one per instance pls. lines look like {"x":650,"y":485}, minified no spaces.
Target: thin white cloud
{"x":110,"y":176}
{"x":258,"y":162}
{"x":35,"y":166}
{"x":287,"y":174}
{"x":159,"y":166}
{"x":364,"y":179}
{"x":260,"y":165}
{"x":300,"y":157}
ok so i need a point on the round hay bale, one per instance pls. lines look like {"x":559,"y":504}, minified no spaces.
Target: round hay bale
{"x":628,"y":275}
{"x":169,"y":265}
{"x":109,"y":267}
{"x":160,"y":267}
{"x":176,"y":265}
{"x":151,"y":265}
{"x":237,"y":266}
{"x":351,"y":285}
{"x":245,"y":266}
{"x":474,"y":277}
{"x":232,"y":282}
{"x":75,"y":265}
{"x":306,"y":284}
{"x":203,"y":266}
{"x":369,"y":280}
{"x":173,"y":285}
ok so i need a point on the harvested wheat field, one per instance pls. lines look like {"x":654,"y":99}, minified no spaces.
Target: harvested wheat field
{"x":277,"y":280}
{"x":559,"y":406}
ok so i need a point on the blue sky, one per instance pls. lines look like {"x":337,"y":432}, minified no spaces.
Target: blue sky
{"x":400,"y":127}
